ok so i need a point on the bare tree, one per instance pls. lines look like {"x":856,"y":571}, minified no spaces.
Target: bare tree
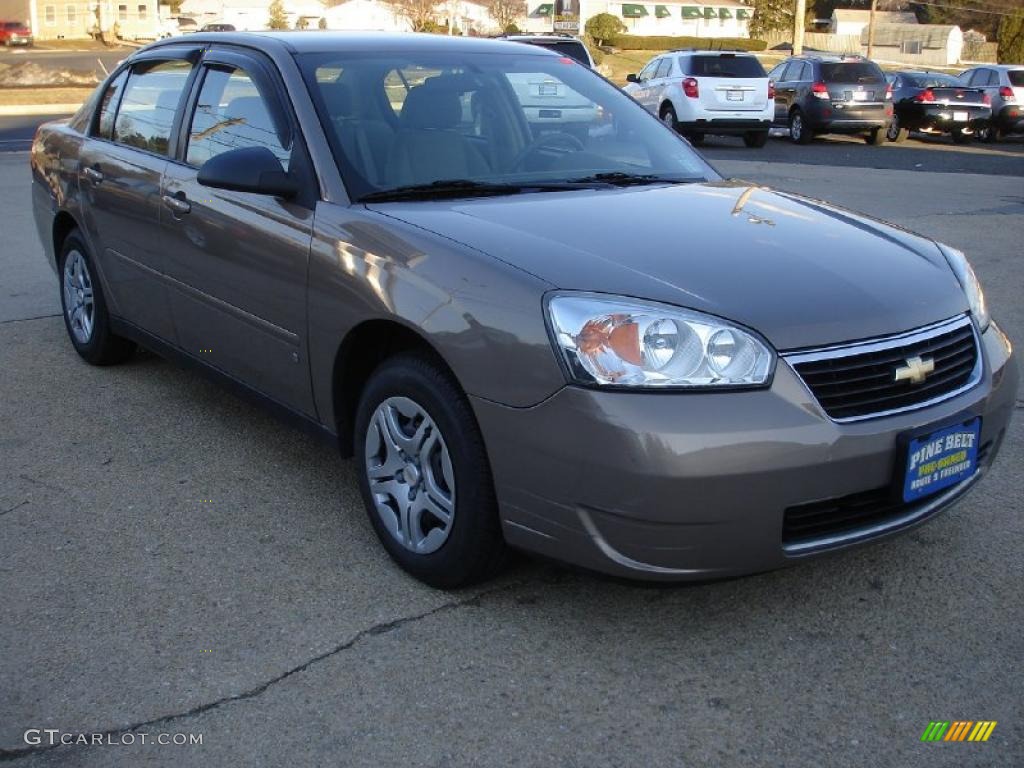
{"x":506,"y":12}
{"x":419,"y":13}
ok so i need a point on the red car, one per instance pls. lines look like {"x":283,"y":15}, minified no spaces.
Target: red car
{"x":15,"y":33}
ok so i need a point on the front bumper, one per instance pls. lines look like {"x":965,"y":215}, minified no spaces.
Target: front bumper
{"x":694,"y":486}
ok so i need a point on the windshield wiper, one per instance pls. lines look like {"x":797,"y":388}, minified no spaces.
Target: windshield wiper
{"x":622,"y":179}
{"x":460,"y":188}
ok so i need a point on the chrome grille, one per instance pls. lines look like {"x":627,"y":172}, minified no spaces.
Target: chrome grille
{"x":859,"y":381}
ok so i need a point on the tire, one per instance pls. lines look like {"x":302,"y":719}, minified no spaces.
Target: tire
{"x":450,"y":473}
{"x":959,"y":137}
{"x":87,"y":322}
{"x":875,"y":137}
{"x":798,"y":130}
{"x":755,"y":139}
{"x":696,"y":139}
{"x":895,"y":132}
{"x":668,"y":117}
{"x":989,"y":134}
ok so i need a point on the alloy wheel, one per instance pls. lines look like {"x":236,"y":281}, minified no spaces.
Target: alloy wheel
{"x":410,"y":475}
{"x":893,"y":131}
{"x":79,"y":306}
{"x":796,"y":127}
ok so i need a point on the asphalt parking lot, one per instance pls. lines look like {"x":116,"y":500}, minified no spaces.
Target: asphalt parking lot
{"x":173,"y":560}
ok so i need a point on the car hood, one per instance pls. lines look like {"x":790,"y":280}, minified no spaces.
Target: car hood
{"x":799,"y":271}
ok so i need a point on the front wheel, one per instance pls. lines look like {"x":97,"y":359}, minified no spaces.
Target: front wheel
{"x":875,"y":137}
{"x":424,"y":474}
{"x":755,"y":138}
{"x":85,"y":308}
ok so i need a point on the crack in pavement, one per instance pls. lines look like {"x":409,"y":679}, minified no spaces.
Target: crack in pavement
{"x":27,"y":319}
{"x":16,"y":506}
{"x":9,"y":755}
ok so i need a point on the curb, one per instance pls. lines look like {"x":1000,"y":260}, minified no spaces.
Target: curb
{"x":22,"y":110}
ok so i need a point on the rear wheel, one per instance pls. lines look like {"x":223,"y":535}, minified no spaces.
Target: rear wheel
{"x":668,"y":116}
{"x":798,"y":130}
{"x":959,"y":137}
{"x":875,"y":137}
{"x":424,"y":474}
{"x":895,"y":132}
{"x":85,"y":309}
{"x":755,"y":138}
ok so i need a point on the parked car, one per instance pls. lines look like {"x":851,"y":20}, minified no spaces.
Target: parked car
{"x":1004,"y":85}
{"x":936,"y":103}
{"x":550,"y":104}
{"x":819,"y":93}
{"x":722,"y":93}
{"x":218,"y":27}
{"x":592,"y":349}
{"x":15,"y":33}
{"x":567,"y":45}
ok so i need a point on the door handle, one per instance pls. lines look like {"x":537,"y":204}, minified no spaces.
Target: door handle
{"x":177,"y":203}
{"x":95,"y":175}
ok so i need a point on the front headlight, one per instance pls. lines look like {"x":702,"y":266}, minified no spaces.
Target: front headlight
{"x":626,"y":342}
{"x":965,"y":274}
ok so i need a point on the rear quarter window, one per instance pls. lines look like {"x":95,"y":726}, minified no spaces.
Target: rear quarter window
{"x":1016,"y":77}
{"x":851,"y":72}
{"x":724,"y":66}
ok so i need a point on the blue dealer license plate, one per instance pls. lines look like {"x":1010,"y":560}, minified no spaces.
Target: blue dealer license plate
{"x":941,"y":459}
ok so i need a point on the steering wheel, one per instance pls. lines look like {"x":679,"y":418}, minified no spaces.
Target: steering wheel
{"x":546,"y":140}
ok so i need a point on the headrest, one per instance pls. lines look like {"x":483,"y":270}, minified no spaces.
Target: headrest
{"x":431,"y":107}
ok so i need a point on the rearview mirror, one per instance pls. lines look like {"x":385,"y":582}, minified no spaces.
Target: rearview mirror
{"x":248,"y":169}
{"x":632,"y":78}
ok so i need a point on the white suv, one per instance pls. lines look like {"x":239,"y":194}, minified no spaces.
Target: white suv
{"x":724,"y":93}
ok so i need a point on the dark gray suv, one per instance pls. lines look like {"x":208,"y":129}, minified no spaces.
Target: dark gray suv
{"x":831,"y":94}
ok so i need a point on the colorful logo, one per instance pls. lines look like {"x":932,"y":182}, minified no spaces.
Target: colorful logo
{"x":958,"y":730}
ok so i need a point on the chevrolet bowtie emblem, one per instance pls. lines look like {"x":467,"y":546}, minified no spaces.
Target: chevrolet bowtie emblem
{"x":916,"y":370}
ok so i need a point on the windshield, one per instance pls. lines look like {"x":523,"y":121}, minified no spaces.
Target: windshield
{"x":399,"y":120}
{"x":572,"y":48}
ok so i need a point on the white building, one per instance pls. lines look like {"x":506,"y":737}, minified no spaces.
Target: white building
{"x":715,"y":18}
{"x":845,"y":22}
{"x":250,"y":15}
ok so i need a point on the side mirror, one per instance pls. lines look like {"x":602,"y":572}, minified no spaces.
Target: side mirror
{"x":632,"y":78}
{"x":248,"y":169}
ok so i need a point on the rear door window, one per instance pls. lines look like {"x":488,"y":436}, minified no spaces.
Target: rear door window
{"x":851,"y":72}
{"x":726,"y":66}
{"x":108,"y":106}
{"x":150,"y":101}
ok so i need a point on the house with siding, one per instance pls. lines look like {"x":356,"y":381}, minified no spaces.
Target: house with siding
{"x":847,"y":22}
{"x":919,"y":44}
{"x":58,"y":20}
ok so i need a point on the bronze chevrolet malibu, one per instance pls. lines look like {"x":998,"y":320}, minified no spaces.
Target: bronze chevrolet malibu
{"x":534,"y":316}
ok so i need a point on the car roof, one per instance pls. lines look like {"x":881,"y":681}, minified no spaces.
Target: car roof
{"x":327,"y":42}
